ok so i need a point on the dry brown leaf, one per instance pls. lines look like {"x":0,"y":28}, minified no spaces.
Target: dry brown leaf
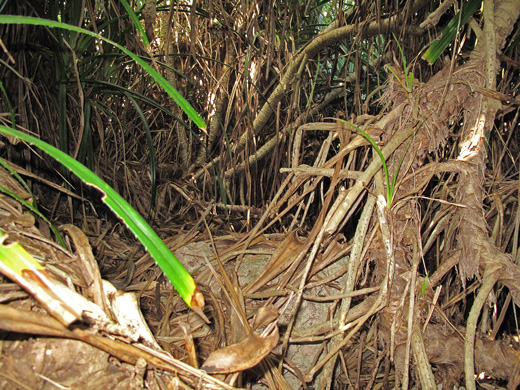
{"x":189,"y":344}
{"x":241,"y":356}
{"x":281,"y":259}
{"x":264,"y":316}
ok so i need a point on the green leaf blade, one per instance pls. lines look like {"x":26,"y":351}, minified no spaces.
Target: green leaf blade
{"x":172,"y":92}
{"x":180,"y":278}
{"x":15,"y":257}
{"x":450,"y":31}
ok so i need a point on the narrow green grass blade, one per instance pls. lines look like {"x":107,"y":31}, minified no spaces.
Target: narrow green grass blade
{"x":173,"y":269}
{"x":174,"y":94}
{"x":425,"y":284}
{"x":450,"y":31}
{"x":136,"y":22}
{"x":389,"y":190}
{"x":405,"y":70}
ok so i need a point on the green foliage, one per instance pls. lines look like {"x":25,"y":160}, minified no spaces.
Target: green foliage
{"x":425,"y":283}
{"x":172,"y":92}
{"x":390,"y":188}
{"x":408,"y":76}
{"x":135,"y":20}
{"x":80,"y":60}
{"x":450,"y":31}
{"x":172,"y":268}
{"x":14,"y":257}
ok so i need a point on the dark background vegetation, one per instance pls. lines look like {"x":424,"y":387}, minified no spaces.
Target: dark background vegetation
{"x":256,"y":71}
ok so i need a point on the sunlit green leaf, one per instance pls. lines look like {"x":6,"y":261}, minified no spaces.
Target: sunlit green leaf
{"x":15,"y":257}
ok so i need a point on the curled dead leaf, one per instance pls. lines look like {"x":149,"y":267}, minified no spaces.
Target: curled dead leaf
{"x":264,"y":316}
{"x":281,"y":259}
{"x":241,"y":356}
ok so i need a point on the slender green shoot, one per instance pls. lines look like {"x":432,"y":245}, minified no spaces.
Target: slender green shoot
{"x":425,"y":284}
{"x":408,"y":76}
{"x":137,"y":24}
{"x":314,"y":83}
{"x":389,"y":188}
{"x":173,"y":269}
{"x":20,"y":180}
